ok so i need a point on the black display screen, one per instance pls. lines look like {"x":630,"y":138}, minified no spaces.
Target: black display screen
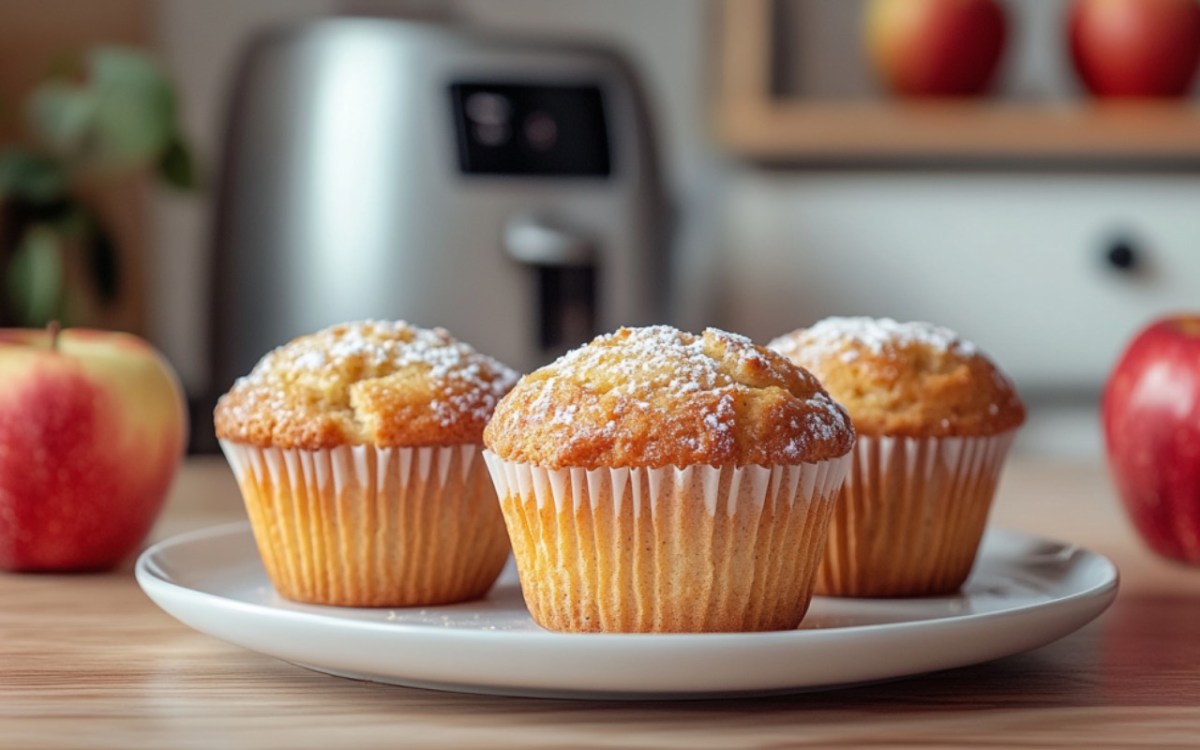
{"x":531,"y":130}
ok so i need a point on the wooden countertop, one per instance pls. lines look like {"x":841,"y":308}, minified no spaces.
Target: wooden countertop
{"x":88,"y":661}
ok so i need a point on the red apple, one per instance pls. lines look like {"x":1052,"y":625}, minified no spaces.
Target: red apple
{"x":1135,"y":48}
{"x":92,"y":428}
{"x":935,"y":47}
{"x":1151,"y":415}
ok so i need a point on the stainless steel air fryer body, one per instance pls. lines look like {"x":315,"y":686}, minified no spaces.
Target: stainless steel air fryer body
{"x":386,"y":169}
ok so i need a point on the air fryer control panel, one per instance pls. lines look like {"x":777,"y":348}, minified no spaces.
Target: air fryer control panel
{"x":516,"y":129}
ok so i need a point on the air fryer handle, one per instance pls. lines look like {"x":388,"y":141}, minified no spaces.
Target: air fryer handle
{"x":538,"y":243}
{"x":564,"y":264}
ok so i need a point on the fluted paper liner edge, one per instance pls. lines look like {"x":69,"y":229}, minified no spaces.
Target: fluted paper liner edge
{"x":911,"y":515}
{"x":361,"y":525}
{"x":673,"y":549}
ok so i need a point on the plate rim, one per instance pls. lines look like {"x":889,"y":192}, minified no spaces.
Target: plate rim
{"x":145,"y":569}
{"x":1059,"y":615}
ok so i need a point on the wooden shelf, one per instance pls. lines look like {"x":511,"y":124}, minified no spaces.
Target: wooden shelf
{"x":860,"y":130}
{"x":752,"y":123}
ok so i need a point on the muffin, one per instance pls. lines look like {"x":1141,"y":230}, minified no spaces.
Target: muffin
{"x":935,"y":418}
{"x":659,"y":481}
{"x":358,"y":453}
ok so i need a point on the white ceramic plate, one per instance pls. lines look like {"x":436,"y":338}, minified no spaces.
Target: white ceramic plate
{"x":1025,"y":592}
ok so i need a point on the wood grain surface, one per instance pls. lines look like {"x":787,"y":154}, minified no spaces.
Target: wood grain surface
{"x":89,"y":662}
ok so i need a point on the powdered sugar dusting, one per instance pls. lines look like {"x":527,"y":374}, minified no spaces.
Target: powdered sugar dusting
{"x":661,"y":368}
{"x":370,"y":349}
{"x":379,"y":345}
{"x":846,"y":337}
{"x":657,"y":360}
{"x":905,"y":378}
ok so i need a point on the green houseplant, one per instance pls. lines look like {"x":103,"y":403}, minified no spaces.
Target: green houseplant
{"x":94,"y":122}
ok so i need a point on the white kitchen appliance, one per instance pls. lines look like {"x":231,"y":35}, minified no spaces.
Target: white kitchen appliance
{"x":376,"y":168}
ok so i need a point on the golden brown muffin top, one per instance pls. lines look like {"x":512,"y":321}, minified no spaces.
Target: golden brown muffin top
{"x":371,"y":382}
{"x":906,"y":379}
{"x":658,"y":397}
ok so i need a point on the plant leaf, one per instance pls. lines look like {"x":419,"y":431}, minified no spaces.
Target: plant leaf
{"x":123,"y":117}
{"x":34,"y":278}
{"x":177,"y":167}
{"x":135,"y":107}
{"x":30,"y":177}
{"x":62,"y":118}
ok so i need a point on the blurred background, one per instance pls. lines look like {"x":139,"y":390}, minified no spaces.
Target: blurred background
{"x":221,"y":176}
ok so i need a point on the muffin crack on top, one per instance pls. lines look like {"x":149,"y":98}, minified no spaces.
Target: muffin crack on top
{"x":369,"y":382}
{"x":657,"y":396}
{"x":906,"y":379}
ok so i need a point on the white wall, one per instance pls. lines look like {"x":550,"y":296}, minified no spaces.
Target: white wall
{"x":1015,"y":261}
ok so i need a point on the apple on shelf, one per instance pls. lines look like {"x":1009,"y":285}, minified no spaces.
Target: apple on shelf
{"x":1135,"y":48}
{"x":935,"y":47}
{"x":1151,"y":415}
{"x":92,"y":429}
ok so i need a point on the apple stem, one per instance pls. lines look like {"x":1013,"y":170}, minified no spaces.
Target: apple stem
{"x":53,"y":328}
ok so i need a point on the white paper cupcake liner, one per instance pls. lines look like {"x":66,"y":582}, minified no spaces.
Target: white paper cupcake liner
{"x":911,"y":515}
{"x":366,"y":526}
{"x":675,"y":549}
